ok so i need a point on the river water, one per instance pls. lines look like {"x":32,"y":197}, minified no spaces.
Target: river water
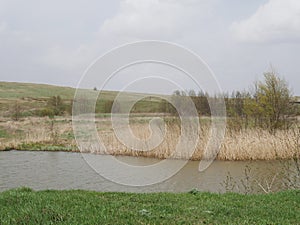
{"x":63,"y":170}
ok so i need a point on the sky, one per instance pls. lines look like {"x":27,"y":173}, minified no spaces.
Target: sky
{"x":55,"y":41}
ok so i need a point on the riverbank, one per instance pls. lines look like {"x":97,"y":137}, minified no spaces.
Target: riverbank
{"x":45,"y":134}
{"x":24,"y":206}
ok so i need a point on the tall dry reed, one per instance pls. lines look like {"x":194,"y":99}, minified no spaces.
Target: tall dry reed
{"x":248,"y":144}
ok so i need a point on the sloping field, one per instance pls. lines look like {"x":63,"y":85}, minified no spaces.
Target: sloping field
{"x":35,"y":96}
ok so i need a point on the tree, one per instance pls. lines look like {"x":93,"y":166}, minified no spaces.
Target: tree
{"x":273,"y":98}
{"x":179,"y":99}
{"x":192,"y":93}
{"x":202,"y":104}
{"x":107,"y":106}
{"x":56,"y":104}
{"x":239,"y":103}
{"x":16,"y":111}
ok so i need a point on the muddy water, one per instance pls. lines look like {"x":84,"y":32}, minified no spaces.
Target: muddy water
{"x":62,"y":170}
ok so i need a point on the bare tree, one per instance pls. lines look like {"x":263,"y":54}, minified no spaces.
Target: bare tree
{"x":16,"y":111}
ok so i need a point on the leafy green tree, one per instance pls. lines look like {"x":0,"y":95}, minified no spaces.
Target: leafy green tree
{"x":273,"y":100}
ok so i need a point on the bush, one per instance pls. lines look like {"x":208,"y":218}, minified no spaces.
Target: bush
{"x":55,"y":103}
{"x":45,"y":112}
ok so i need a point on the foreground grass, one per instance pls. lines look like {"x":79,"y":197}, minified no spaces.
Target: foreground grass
{"x":24,"y":206}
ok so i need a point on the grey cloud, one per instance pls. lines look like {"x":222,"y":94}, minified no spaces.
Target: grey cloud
{"x":277,"y":20}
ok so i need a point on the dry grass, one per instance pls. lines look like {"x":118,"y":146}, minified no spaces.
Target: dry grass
{"x":251,"y":144}
{"x":35,"y":131}
{"x":257,"y":144}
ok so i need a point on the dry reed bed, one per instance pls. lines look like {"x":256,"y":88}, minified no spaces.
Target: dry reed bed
{"x":250,"y":144}
{"x":34,"y":130}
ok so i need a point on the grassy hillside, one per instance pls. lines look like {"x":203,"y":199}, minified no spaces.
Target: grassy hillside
{"x":25,"y":115}
{"x":24,"y":206}
{"x":35,"y":96}
{"x":13,"y":91}
{"x":29,"y":96}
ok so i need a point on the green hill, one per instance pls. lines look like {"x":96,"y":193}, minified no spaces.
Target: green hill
{"x":13,"y":90}
{"x":33,"y":97}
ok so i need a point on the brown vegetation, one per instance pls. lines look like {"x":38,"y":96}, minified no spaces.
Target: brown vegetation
{"x":262,"y":123}
{"x":247,"y":144}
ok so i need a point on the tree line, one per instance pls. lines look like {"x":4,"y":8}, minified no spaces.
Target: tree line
{"x":269,"y":104}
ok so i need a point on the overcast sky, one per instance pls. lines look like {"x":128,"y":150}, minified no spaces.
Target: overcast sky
{"x":55,"y":41}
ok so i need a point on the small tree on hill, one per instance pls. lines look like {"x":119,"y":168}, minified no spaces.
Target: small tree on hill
{"x":16,"y":111}
{"x":56,"y":104}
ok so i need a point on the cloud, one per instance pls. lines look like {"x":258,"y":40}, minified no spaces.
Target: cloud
{"x":3,"y":27}
{"x":135,"y":19}
{"x":67,"y":58}
{"x":275,"y":21}
{"x":70,"y":43}
{"x":155,"y":19}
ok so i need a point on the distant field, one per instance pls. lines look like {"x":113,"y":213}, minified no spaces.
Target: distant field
{"x":34,"y":96}
{"x":29,"y":96}
{"x":13,"y":91}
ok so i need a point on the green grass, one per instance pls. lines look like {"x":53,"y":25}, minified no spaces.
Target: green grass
{"x":45,"y":147}
{"x":24,"y":206}
{"x":14,"y":90}
{"x":3,"y":133}
{"x":34,"y":97}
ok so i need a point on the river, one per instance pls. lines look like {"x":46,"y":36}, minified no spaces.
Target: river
{"x":63,"y":170}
